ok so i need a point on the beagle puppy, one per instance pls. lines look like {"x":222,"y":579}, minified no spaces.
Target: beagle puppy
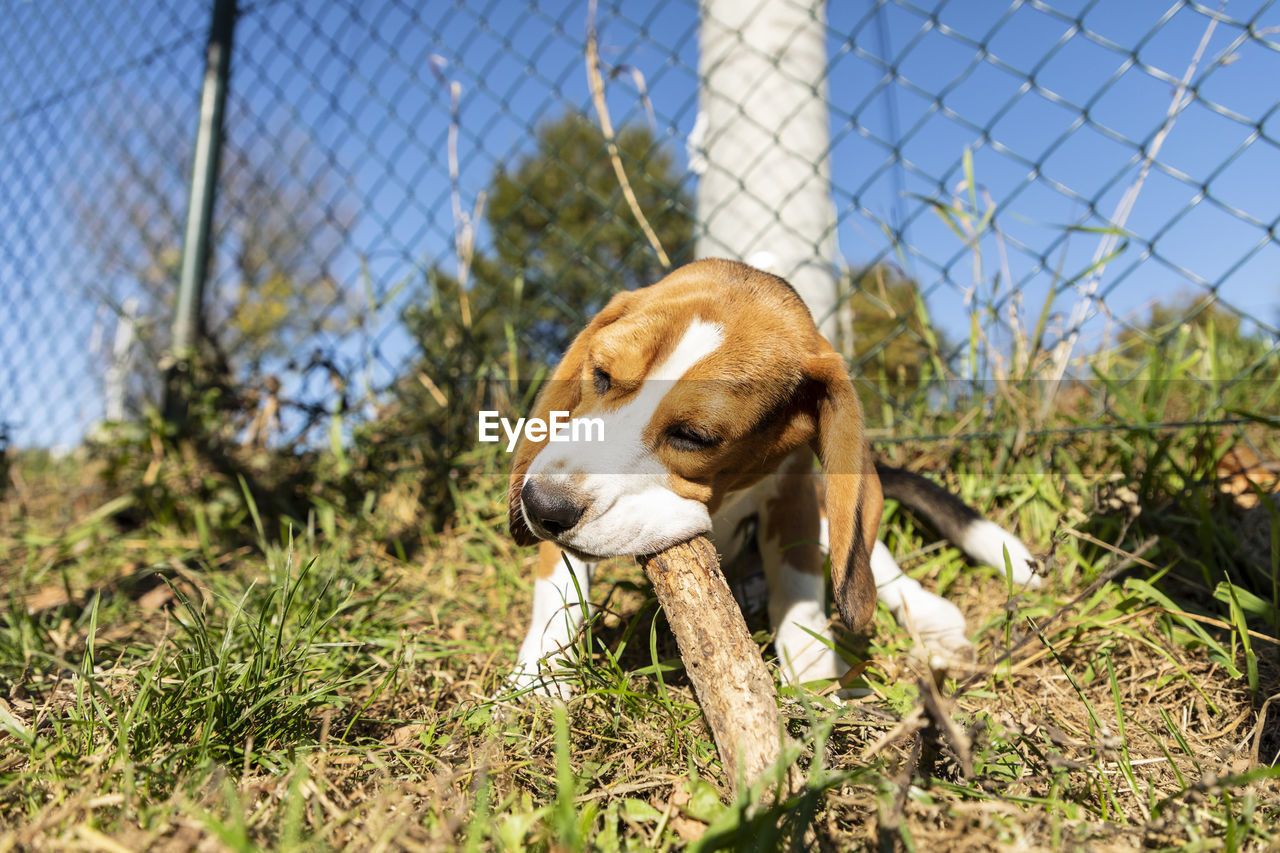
{"x":713,"y":390}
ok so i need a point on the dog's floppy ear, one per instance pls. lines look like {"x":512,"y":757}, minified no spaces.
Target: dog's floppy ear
{"x":854,"y":501}
{"x":561,"y":393}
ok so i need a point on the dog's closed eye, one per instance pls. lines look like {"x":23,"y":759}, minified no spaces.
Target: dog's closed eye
{"x":689,"y":438}
{"x":601,"y":380}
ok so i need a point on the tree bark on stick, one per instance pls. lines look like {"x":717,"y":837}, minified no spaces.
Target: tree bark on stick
{"x":729,"y":676}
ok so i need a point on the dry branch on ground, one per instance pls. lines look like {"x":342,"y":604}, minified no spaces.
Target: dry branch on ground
{"x":724,"y":665}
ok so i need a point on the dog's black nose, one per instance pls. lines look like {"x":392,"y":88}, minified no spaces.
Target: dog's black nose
{"x":550,"y":508}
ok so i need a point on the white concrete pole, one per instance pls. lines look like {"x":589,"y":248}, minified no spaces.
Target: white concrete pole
{"x":762,"y":145}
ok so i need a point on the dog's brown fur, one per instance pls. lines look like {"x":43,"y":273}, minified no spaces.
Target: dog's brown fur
{"x":774,"y":386}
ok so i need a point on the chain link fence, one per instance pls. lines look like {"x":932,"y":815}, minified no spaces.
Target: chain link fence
{"x":414,"y":196}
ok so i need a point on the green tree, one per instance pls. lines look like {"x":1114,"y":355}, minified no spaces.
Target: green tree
{"x":558,"y":219}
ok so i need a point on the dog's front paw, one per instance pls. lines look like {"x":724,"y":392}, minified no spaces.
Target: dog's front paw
{"x":544,"y":662}
{"x":543,"y":678}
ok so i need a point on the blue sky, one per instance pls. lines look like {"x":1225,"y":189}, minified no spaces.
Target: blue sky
{"x":1053,"y":99}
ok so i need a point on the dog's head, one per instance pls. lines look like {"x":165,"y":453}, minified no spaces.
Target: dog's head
{"x":699,"y":386}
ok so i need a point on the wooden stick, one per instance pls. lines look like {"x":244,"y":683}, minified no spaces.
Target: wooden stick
{"x":729,"y":676}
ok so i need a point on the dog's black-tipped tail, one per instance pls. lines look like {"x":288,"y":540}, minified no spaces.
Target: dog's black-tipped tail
{"x":950,"y":516}
{"x":959,"y":523}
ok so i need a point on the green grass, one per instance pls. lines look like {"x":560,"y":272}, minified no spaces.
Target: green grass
{"x":327,"y":687}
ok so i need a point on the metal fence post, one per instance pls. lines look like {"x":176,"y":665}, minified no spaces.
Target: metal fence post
{"x":204,"y":187}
